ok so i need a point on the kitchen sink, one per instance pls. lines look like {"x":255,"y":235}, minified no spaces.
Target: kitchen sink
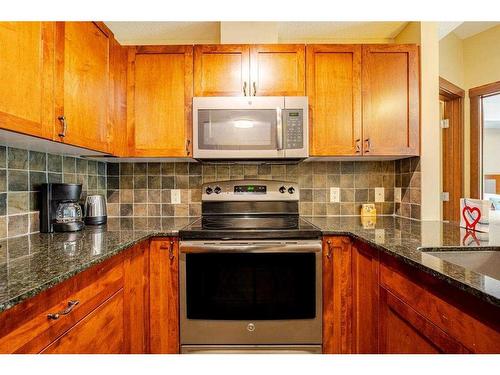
{"x":486,"y":262}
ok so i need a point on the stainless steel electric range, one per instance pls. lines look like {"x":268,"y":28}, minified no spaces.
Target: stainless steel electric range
{"x":250,"y":272}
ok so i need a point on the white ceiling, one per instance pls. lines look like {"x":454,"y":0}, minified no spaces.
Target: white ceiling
{"x":130,"y":33}
{"x":209,"y":32}
{"x":468,"y":29}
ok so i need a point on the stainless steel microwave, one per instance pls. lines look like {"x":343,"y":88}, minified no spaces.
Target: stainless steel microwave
{"x":259,"y":127}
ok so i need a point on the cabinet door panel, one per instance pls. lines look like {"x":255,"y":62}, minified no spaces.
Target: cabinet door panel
{"x":26,"y":77}
{"x":337,"y":301}
{"x":164,"y":296}
{"x":83,"y":84}
{"x":101,"y":332}
{"x":390,"y":100}
{"x":160,"y":100}
{"x":221,"y":70}
{"x":404,"y":331}
{"x":277,"y":70}
{"x":334,"y":91}
{"x":365,"y":271}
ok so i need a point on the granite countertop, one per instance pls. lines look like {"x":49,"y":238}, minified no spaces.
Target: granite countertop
{"x":33,"y":263}
{"x":411,"y":241}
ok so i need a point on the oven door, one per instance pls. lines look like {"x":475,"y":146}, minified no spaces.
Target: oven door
{"x":238,"y":127}
{"x":259,"y":292}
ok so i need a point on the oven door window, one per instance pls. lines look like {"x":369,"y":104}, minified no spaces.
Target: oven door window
{"x":237,"y":129}
{"x":254,"y":286}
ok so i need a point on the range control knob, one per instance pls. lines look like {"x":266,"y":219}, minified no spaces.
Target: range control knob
{"x":282,"y":189}
{"x":291,"y":190}
{"x":208,"y":190}
{"x":217,"y":190}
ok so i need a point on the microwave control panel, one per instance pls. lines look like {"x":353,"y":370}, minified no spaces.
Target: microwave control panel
{"x":294,"y":128}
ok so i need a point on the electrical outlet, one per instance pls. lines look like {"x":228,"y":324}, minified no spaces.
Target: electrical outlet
{"x":397,"y":195}
{"x":334,"y":194}
{"x":379,"y":194}
{"x":175,"y":196}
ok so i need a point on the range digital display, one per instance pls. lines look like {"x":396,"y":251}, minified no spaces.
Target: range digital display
{"x":250,"y":189}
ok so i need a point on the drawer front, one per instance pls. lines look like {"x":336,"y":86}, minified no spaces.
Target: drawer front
{"x":445,"y":306}
{"x":34,"y":324}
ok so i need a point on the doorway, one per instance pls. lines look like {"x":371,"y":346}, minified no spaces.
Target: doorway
{"x":452,"y":137}
{"x":485,"y":142}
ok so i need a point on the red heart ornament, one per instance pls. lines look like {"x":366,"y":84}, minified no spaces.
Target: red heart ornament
{"x":471,"y":211}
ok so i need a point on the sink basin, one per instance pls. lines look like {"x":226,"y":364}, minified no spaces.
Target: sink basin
{"x":483,"y":262}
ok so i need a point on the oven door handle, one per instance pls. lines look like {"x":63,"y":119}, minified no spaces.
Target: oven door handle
{"x":268,"y":247}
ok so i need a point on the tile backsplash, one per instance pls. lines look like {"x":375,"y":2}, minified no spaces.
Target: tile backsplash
{"x":21,"y":174}
{"x":146,"y":189}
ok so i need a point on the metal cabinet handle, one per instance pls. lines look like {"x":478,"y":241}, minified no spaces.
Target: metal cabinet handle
{"x":358,"y":146}
{"x":279,"y":129}
{"x":245,"y":88}
{"x":62,"y":119}
{"x":254,"y":88}
{"x":188,"y":142}
{"x":66,"y":311}
{"x":329,"y":254}
{"x":367,"y":145}
{"x":170,"y":249}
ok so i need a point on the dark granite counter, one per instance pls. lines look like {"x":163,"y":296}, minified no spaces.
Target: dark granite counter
{"x":33,"y":263}
{"x":411,"y":241}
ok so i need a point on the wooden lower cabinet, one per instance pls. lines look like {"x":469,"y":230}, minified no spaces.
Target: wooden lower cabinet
{"x":164,"y":292}
{"x":375,"y":303}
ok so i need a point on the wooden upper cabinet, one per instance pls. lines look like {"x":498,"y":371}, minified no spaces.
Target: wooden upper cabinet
{"x":334,"y":91}
{"x":26,"y":77}
{"x":159,"y":101}
{"x":82,"y":84}
{"x":277,"y":69}
{"x":221,"y":70}
{"x":391,"y":112}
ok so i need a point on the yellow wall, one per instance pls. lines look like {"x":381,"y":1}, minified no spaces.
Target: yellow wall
{"x":469,"y":63}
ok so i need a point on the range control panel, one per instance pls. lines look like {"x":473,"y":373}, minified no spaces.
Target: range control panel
{"x":248,"y":190}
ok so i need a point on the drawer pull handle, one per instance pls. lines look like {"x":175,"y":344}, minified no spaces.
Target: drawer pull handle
{"x":329,"y":254}
{"x":62,"y":120}
{"x":66,"y":311}
{"x":170,"y":249}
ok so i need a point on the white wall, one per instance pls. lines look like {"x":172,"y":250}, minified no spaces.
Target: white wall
{"x":491,"y":151}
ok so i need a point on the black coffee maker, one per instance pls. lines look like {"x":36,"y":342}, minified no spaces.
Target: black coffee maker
{"x":59,"y":208}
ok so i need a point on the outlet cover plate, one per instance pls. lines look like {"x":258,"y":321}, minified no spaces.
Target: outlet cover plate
{"x":175,"y":196}
{"x":334,"y":194}
{"x":397,"y":195}
{"x":379,"y":194}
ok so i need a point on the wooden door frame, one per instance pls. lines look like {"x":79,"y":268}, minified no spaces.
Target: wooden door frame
{"x":476,"y":134}
{"x":453,"y":96}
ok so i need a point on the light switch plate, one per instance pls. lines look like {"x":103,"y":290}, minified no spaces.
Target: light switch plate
{"x":334,"y":194}
{"x":175,"y":196}
{"x":379,"y":194}
{"x":397,"y":195}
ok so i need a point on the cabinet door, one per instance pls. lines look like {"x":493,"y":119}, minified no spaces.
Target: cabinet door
{"x":221,"y":70}
{"x":337,"y":288}
{"x":365,"y":271}
{"x":159,"y":101}
{"x":164,"y":296}
{"x":277,"y":70}
{"x":334,"y":91}
{"x":26,"y":77}
{"x":391,"y":100}
{"x":136,"y":289}
{"x":82,"y":84}
{"x":404,"y":331}
{"x":101,"y":332}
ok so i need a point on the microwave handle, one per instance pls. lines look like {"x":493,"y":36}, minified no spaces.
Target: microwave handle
{"x":279,"y":128}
